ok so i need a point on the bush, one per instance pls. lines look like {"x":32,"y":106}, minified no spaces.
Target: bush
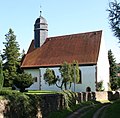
{"x":23,"y":81}
{"x":70,"y":98}
{"x":100,"y":86}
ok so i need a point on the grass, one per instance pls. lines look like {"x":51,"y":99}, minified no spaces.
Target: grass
{"x":65,"y":112}
{"x":91,"y":111}
{"x":113,"y":111}
{"x":30,"y":91}
{"x":41,"y":92}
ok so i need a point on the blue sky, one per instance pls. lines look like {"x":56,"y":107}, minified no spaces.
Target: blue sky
{"x":63,"y":17}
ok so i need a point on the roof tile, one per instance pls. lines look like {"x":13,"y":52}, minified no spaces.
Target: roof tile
{"x":82,"y":47}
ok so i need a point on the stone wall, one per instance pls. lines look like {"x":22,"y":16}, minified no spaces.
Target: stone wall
{"x":47,"y":103}
{"x":107,"y":95}
{"x":53,"y":102}
{"x":3,"y":104}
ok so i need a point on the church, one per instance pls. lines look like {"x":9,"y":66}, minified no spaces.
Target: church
{"x":88,"y":49}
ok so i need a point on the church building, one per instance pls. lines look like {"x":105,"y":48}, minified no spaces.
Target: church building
{"x":88,"y":49}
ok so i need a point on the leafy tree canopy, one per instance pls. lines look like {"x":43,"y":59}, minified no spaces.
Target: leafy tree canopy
{"x":69,"y":73}
{"x":50,"y":77}
{"x":114,"y":17}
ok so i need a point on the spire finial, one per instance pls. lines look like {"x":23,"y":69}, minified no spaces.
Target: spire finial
{"x":40,"y":10}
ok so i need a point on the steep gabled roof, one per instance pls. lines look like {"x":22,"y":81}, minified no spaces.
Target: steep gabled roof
{"x":83,"y":47}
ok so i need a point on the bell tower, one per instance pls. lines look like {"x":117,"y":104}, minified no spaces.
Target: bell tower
{"x":40,"y":31}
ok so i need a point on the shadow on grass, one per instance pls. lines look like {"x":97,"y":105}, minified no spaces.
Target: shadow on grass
{"x":65,"y":112}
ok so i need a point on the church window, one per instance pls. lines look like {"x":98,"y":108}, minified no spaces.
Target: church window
{"x":35,"y":79}
{"x":80,"y":75}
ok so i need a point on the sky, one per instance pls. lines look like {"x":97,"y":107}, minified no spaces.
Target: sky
{"x":63,"y":17}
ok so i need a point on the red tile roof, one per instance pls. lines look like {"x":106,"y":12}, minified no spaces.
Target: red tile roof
{"x":83,"y":47}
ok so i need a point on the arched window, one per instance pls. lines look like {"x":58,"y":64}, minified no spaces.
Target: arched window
{"x":80,"y":74}
{"x":88,"y":89}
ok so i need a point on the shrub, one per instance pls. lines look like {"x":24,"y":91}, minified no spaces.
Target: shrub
{"x":23,"y":81}
{"x":100,"y":86}
{"x":70,"y":98}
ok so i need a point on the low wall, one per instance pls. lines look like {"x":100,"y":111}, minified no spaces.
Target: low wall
{"x":107,"y":95}
{"x":40,"y":108}
{"x":53,"y":102}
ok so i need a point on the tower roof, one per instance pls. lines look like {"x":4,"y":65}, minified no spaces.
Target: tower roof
{"x":41,"y":20}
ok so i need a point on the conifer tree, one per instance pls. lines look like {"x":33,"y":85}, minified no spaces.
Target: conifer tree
{"x":11,"y":58}
{"x":113,"y":70}
{"x":1,"y":73}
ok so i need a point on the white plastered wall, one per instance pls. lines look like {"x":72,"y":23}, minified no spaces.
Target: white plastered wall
{"x":87,"y":74}
{"x":34,"y":73}
{"x":103,"y":66}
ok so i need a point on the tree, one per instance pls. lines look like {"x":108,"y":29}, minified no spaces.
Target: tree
{"x":50,"y":77}
{"x":1,"y":73}
{"x":23,"y":81}
{"x":114,"y":17}
{"x":66,"y":74}
{"x":113,"y":70}
{"x":75,"y":72}
{"x":11,"y":58}
{"x":69,"y":74}
{"x":119,"y":82}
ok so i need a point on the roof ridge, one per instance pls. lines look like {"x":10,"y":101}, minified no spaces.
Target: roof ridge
{"x":74,"y":34}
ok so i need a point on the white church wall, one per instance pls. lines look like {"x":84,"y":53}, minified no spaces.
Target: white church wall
{"x":87,"y":76}
{"x":34,"y":73}
{"x":88,"y":79}
{"x":103,"y":66}
{"x":44,"y":85}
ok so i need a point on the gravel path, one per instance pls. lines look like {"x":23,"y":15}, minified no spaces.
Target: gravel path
{"x":97,"y":113}
{"x":80,"y":112}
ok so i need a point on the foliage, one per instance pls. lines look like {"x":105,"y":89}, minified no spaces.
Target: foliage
{"x":114,"y":17}
{"x":11,"y":58}
{"x":66,"y":72}
{"x":50,"y":77}
{"x":113,"y":70}
{"x":1,"y":73}
{"x":20,"y":105}
{"x":113,"y":66}
{"x":70,"y":98}
{"x":23,"y":81}
{"x":118,"y":82}
{"x":100,"y":86}
{"x":75,"y":72}
{"x":69,"y":73}
{"x":113,"y":111}
{"x":66,"y":112}
{"x":118,"y":68}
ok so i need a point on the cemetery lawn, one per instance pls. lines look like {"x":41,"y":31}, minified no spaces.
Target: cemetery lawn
{"x":41,"y":92}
